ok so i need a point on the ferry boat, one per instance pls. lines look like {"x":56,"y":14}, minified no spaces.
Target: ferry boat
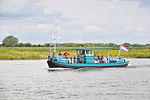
{"x":85,"y":58}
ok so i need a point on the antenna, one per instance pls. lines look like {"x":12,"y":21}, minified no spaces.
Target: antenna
{"x":56,"y":36}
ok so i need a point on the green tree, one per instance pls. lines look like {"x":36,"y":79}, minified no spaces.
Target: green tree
{"x":127,"y":44}
{"x":10,"y":41}
{"x":112,"y":45}
{"x":46,"y":45}
{"x":20,"y":44}
{"x":27,"y":44}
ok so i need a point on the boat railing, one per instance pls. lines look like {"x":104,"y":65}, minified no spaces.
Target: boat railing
{"x":82,"y":59}
{"x":72,"y":59}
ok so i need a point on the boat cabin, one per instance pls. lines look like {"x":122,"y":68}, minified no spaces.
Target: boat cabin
{"x":87,"y":55}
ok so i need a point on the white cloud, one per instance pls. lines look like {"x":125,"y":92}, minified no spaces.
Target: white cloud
{"x":77,"y":18}
{"x":115,"y":1}
{"x":47,"y":11}
{"x":92,"y":28}
{"x":12,"y":6}
{"x":138,"y":30}
{"x":40,"y":27}
{"x":4,"y":34}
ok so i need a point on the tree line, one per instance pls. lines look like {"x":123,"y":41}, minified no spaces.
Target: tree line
{"x":11,"y":41}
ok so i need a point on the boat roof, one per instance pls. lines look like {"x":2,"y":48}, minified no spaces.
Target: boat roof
{"x":91,"y":49}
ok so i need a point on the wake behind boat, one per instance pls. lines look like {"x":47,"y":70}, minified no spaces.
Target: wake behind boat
{"x":85,"y":58}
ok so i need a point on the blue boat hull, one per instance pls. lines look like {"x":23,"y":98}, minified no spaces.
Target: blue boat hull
{"x":53,"y":64}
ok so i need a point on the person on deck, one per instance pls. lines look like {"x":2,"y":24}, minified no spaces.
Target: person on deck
{"x":103,"y":59}
{"x":108,"y":60}
{"x":66,"y":55}
{"x":87,"y":52}
{"x":53,"y":54}
{"x":99,"y":58}
{"x":60,"y":53}
{"x":95,"y":59}
{"x":83,"y":52}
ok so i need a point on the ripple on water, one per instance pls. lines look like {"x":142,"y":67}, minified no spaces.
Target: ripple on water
{"x":32,"y":80}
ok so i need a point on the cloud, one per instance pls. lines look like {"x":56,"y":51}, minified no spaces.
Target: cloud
{"x":138,"y":31}
{"x":115,"y":1}
{"x":4,"y":34}
{"x":9,"y":6}
{"x":78,"y":19}
{"x":92,"y":28}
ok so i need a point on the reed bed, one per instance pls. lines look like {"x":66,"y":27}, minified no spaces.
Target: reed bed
{"x":21,"y":53}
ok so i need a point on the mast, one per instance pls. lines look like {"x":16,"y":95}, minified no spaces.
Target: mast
{"x":56,"y":36}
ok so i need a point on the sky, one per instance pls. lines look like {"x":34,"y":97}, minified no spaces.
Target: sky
{"x":104,"y":21}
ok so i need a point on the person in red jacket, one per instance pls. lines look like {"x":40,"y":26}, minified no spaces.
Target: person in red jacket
{"x":66,"y":54}
{"x":103,"y":59}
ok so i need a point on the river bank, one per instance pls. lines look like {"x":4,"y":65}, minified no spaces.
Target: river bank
{"x":21,"y":53}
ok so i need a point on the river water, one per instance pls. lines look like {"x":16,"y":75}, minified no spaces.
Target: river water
{"x":32,"y":80}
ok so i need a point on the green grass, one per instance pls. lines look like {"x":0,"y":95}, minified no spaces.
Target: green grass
{"x":19,"y":53}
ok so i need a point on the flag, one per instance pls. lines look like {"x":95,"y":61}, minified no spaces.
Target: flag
{"x":123,"y":48}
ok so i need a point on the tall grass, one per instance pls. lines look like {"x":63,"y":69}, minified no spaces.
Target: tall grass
{"x":9,"y":53}
{"x":16,"y":53}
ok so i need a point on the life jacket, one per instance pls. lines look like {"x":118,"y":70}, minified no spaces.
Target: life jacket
{"x":66,"y":54}
{"x":102,"y":58}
